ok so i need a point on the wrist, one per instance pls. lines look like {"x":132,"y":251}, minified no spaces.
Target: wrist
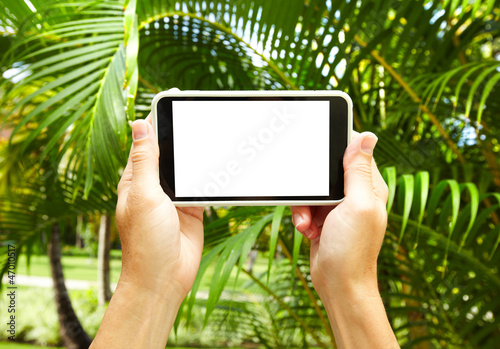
{"x":150,"y":292}
{"x":351,"y":300}
{"x":349,"y":289}
{"x":138,"y":317}
{"x":358,"y":318}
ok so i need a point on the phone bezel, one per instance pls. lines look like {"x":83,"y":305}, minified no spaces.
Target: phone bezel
{"x":343,"y":117}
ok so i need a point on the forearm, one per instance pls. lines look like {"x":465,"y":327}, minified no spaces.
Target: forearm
{"x":137,"y":318}
{"x":359,"y":320}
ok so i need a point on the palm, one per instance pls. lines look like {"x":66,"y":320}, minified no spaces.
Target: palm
{"x":335,"y":241}
{"x":335,"y":250}
{"x":420,"y":75}
{"x":163,"y":241}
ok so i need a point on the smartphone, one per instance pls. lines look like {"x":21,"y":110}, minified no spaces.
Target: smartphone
{"x":236,"y":148}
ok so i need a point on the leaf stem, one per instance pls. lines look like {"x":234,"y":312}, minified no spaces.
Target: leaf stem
{"x":148,"y":84}
{"x":413,"y":96}
{"x":466,"y":257}
{"x":286,"y":307}
{"x":309,"y":292}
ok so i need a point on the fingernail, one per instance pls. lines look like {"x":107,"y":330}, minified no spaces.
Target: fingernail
{"x":297,"y":219}
{"x":309,"y":233}
{"x":368,"y":144}
{"x":139,"y":130}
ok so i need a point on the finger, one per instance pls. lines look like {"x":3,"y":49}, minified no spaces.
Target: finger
{"x":320,"y":214}
{"x":318,"y":219}
{"x":358,"y":157}
{"x":301,"y":217}
{"x":313,"y":232}
{"x":144,"y":157}
{"x":126,"y":178}
{"x":191,"y":223}
{"x":379,"y":186}
{"x":149,"y":119}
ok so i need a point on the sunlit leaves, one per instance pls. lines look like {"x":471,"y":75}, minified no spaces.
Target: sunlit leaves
{"x":457,"y":237}
{"x":83,"y":84}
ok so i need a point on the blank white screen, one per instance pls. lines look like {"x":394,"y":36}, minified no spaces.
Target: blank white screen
{"x":251,"y":148}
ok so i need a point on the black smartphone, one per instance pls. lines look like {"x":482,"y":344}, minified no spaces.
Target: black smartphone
{"x":228,"y":148}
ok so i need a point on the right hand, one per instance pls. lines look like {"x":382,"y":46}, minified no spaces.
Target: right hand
{"x":162,"y":244}
{"x":346,"y":239}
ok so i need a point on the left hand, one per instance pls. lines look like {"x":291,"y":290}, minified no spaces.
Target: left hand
{"x":346,"y":239}
{"x":161,"y":244}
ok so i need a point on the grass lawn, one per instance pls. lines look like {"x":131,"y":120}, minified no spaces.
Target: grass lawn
{"x":13,"y":345}
{"x":85,"y":268}
{"x":74,"y":267}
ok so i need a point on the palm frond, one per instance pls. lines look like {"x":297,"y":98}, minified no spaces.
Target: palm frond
{"x":450,"y":281}
{"x":438,"y":266}
{"x":88,"y":89}
{"x":480,"y":78}
{"x":233,"y":250}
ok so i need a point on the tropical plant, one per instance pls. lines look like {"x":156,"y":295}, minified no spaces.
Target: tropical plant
{"x":43,"y":209}
{"x":438,"y":268}
{"x":103,"y":258}
{"x":422,"y":74}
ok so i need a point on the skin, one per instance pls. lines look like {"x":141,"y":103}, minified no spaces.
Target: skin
{"x":162,"y":248}
{"x":345,"y":243}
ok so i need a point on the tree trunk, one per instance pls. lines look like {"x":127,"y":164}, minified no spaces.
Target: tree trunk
{"x":72,"y":333}
{"x":78,"y":233}
{"x":252,"y":259}
{"x":103,"y":279}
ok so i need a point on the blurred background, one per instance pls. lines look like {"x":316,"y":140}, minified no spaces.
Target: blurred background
{"x":423,"y":75}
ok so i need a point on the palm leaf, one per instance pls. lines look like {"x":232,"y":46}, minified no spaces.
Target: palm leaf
{"x":454,"y":248}
{"x":97,"y":71}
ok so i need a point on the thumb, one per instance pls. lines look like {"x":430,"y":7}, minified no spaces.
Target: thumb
{"x":144,"y":156}
{"x":358,"y":167}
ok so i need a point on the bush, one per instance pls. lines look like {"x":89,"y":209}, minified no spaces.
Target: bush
{"x":36,"y":314}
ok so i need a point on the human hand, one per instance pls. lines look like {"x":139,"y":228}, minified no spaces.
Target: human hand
{"x":346,"y":239}
{"x":161,"y":247}
{"x":161,"y":244}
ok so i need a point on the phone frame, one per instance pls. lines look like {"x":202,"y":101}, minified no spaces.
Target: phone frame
{"x":256,"y":201}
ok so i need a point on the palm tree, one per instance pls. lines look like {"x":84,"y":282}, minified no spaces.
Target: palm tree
{"x":423,"y":75}
{"x":70,"y":329}
{"x":43,"y":207}
{"x":103,"y":257}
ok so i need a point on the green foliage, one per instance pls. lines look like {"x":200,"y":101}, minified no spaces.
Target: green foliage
{"x":26,"y":213}
{"x":14,"y":345}
{"x":245,"y":45}
{"x":447,"y":285}
{"x":39,"y":322}
{"x":233,"y":250}
{"x":88,"y":80}
{"x":438,"y":269}
{"x":273,"y":240}
{"x":423,"y":75}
